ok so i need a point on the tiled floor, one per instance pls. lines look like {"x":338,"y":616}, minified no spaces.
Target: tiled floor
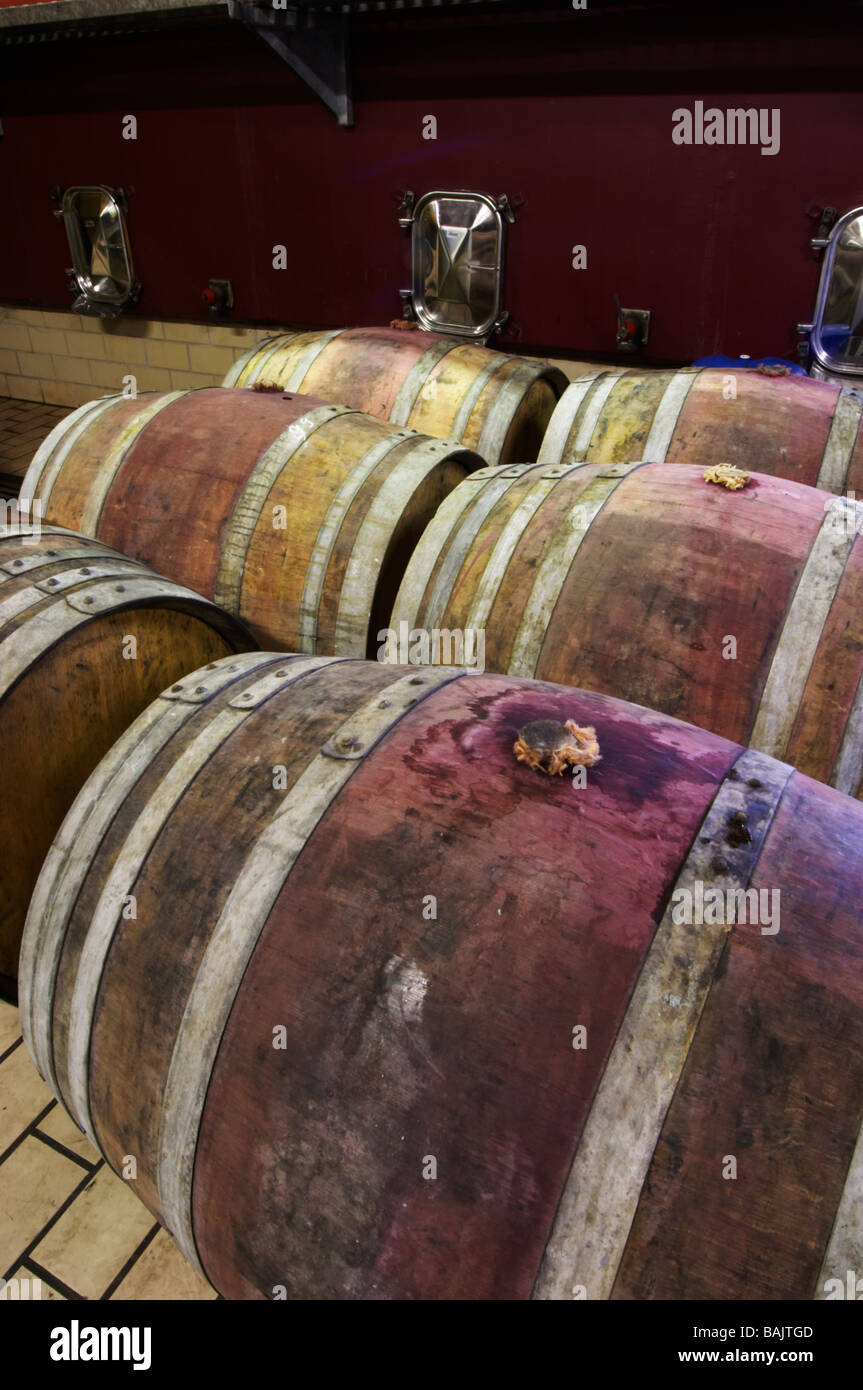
{"x":66,"y":1220}
{"x":23,"y":426}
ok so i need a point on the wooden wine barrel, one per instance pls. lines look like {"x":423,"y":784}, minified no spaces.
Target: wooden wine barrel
{"x":492,"y":402}
{"x":88,"y":638}
{"x":297,"y":516}
{"x":423,"y":1022}
{"x":740,"y":611}
{"x":789,"y":426}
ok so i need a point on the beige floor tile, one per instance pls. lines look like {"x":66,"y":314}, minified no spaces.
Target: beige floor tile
{"x":96,"y":1236}
{"x":34,"y":1182}
{"x":162,"y":1273}
{"x":10,"y":1028}
{"x":23,"y":1094}
{"x":38,"y":1291}
{"x":62,"y":1129}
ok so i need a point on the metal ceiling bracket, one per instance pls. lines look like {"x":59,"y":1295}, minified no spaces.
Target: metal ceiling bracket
{"x":317,"y":52}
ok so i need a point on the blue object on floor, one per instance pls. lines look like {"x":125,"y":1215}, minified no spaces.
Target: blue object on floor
{"x":719,"y":361}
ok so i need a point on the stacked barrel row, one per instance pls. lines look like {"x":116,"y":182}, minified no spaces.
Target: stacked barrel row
{"x":301,"y":890}
{"x":320,"y":527}
{"x":295,"y":516}
{"x":783,"y":424}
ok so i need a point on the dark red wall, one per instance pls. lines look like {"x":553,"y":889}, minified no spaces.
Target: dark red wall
{"x":572,"y":115}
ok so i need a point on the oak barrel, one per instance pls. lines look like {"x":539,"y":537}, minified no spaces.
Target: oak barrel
{"x":492,"y":402}
{"x":789,"y":426}
{"x":297,"y":516}
{"x":390,"y":1014}
{"x":88,"y":638}
{"x":741,"y":611}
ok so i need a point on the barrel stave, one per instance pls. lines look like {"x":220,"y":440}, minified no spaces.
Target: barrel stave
{"x":276,"y":570}
{"x":835,"y":681}
{"x":442,"y":395}
{"x":140,"y":1005}
{"x":776,"y":425}
{"x":510,"y":426}
{"x":183,"y":475}
{"x":81,"y":453}
{"x":854,"y":477}
{"x":774,"y":1063}
{"x":711,"y":566}
{"x":367,"y":368}
{"x":245,"y":369}
{"x":623,"y":427}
